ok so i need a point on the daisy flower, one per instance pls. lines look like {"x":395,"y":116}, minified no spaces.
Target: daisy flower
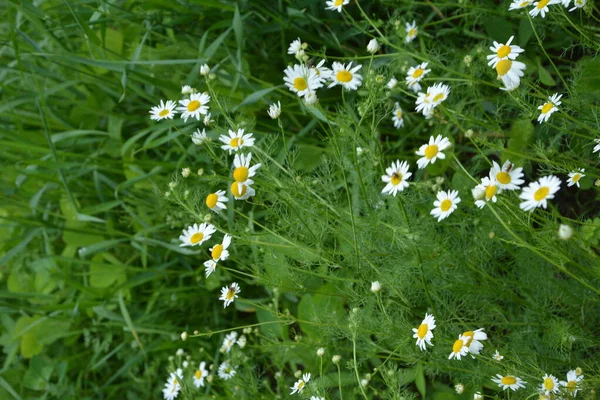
{"x":373,"y":46}
{"x":199,"y":137}
{"x":209,"y":267}
{"x":172,"y":386}
{"x":578,"y":4}
{"x":396,"y":178}
{"x":415,"y":75}
{"x":274,"y":110}
{"x":195,"y":106}
{"x":392,"y":83}
{"x":397,"y":118}
{"x":226,"y":371}
{"x":539,"y":192}
{"x":549,"y":107}
{"x":574,"y":177}
{"x":228,"y":342}
{"x":208,"y":120}
{"x":200,"y":374}
{"x":242,"y":191}
{"x":411,"y":31}
{"x":432,"y":151}
{"x":236,"y":140}
{"x":445,"y":204}
{"x":518,"y":4}
{"x":474,"y":339}
{"x":459,"y":348}
{"x":296,"y":47}
{"x":300,"y":384}
{"x":597,"y":146}
{"x":300,"y":79}
{"x":336,"y":5}
{"x":241,"y":342}
{"x":510,"y":73}
{"x":163,"y":111}
{"x":216,"y":201}
{"x":549,"y":384}
{"x":507,"y":177}
{"x":219,"y":251}
{"x":204,"y":70}
{"x":509,"y":382}
{"x":196,"y":234}
{"x":497,"y":356}
{"x":311,"y":98}
{"x":187,"y":89}
{"x":541,"y":7}
{"x":572,"y":382}
{"x":439,"y":93}
{"x":485,"y":191}
{"x":229,"y":293}
{"x":503,"y":51}
{"x":346,"y":76}
{"x":423,"y":333}
{"x":242,"y":170}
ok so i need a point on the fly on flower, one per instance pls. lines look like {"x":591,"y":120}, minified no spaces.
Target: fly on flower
{"x":396,"y":178}
{"x":229,"y":294}
{"x":508,"y":177}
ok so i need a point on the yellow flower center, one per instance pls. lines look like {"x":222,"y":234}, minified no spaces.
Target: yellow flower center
{"x":301,"y":384}
{"x":470,"y":335}
{"x":300,"y":84}
{"x":338,"y":3}
{"x":196,"y":237}
{"x":164,"y":112}
{"x":198,"y":374}
{"x":490,"y":191}
{"x":236,"y":190}
{"x":541,"y":193}
{"x":422,"y":330}
{"x":503,"y":177}
{"x":217,"y":251}
{"x":399,"y":114}
{"x":508,"y":380}
{"x":524,"y":4}
{"x":542,"y":4}
{"x":412,"y":32}
{"x":230,"y":294}
{"x":240,"y":174}
{"x":418,"y":72}
{"x":431,"y":151}
{"x":445,"y":205}
{"x":457,"y":346}
{"x":344,"y":76}
{"x":396,"y":178}
{"x":211,"y":200}
{"x":571,"y":386}
{"x":547,"y":107}
{"x":576,"y":178}
{"x":548,"y":383}
{"x":438,"y":97}
{"x":193,"y":105}
{"x":503,"y":67}
{"x":235,"y":142}
{"x":503,"y":51}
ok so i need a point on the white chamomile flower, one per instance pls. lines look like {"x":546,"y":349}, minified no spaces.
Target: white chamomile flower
{"x":541,"y":7}
{"x":228,"y":342}
{"x":424,"y":333}
{"x":229,"y":293}
{"x":216,"y":201}
{"x":187,"y":89}
{"x":204,"y":70}
{"x":507,"y":177}
{"x":323,"y":72}
{"x":431,"y":152}
{"x":474,"y":339}
{"x":301,"y":79}
{"x":295,"y":47}
{"x":311,"y":98}
{"x":242,"y":191}
{"x":163,"y":111}
{"x":549,"y":107}
{"x":392,"y":83}
{"x":538,"y":193}
{"x":575,"y":177}
{"x":398,"y":116}
{"x":173,"y":385}
{"x":199,"y":137}
{"x":373,"y":46}
{"x":219,"y":251}
{"x":208,"y":120}
{"x":242,"y":170}
{"x":497,"y":356}
{"x":509,"y":382}
{"x":503,"y":51}
{"x":336,"y":5}
{"x":346,"y":75}
{"x":274,"y":110}
{"x":510,"y":73}
{"x":459,"y":348}
{"x":439,"y":93}
{"x":195,"y":106}
{"x":488,"y":189}
{"x":597,"y":146}
{"x":445,"y":204}
{"x":415,"y":75}
{"x":375,"y":287}
{"x":196,"y":234}
{"x":549,"y":384}
{"x":411,"y":31}
{"x":200,"y":374}
{"x":578,"y":4}
{"x":572,"y":382}
{"x":241,"y":342}
{"x":226,"y":371}
{"x":236,"y":140}
{"x":396,"y":178}
{"x":300,"y":384}
{"x":209,"y":267}
{"x":518,"y":4}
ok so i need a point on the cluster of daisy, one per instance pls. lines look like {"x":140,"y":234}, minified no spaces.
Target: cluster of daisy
{"x":504,"y":61}
{"x":304,"y":80}
{"x":172,"y":386}
{"x":542,"y":6}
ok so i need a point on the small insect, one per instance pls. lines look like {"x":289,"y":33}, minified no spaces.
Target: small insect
{"x":509,"y":167}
